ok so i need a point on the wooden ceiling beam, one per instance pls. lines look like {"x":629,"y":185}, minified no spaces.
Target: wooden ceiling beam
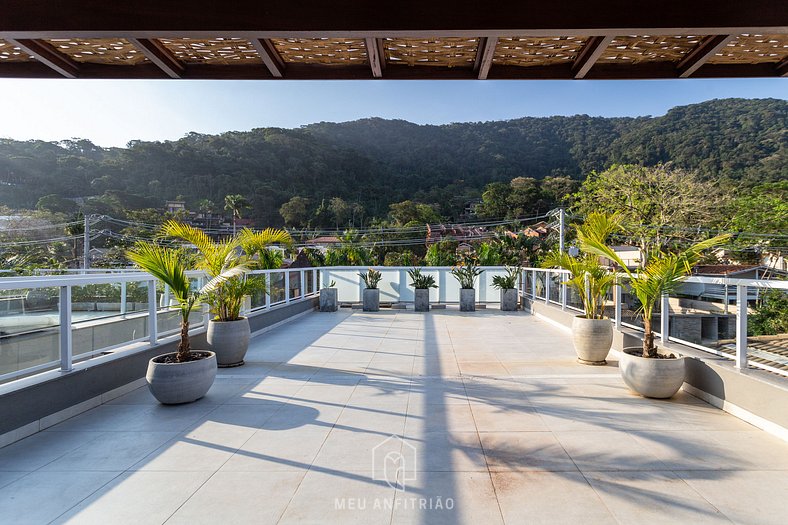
{"x":270,"y":56}
{"x":706,"y":49}
{"x":376,"y":56}
{"x":782,"y":68}
{"x":159,"y":55}
{"x":49,"y":56}
{"x":484,"y":56}
{"x":587,"y":57}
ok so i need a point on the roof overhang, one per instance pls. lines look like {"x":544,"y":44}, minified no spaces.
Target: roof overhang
{"x":429,"y":39}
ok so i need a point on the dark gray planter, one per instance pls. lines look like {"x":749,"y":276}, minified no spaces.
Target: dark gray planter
{"x":651,"y":377}
{"x":371,"y":299}
{"x":229,"y":340}
{"x":328,"y":300}
{"x":422,"y":299}
{"x":592,"y":339}
{"x":467,"y":299}
{"x":176,"y":383}
{"x":509,"y":300}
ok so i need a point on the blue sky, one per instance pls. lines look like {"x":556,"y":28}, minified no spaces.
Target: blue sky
{"x":110,"y":113}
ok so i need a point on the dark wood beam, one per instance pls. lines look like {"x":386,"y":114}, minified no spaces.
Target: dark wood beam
{"x":350,"y":18}
{"x":49,"y":56}
{"x":376,"y":56}
{"x":702,"y":52}
{"x":484,"y":56}
{"x":782,"y":68}
{"x":587,"y":57}
{"x":270,"y":56}
{"x":159,"y":55}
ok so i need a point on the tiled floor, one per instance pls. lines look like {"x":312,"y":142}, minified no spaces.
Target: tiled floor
{"x":492,"y":418}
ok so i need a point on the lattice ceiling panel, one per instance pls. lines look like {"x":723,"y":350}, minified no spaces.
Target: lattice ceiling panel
{"x":523,"y":51}
{"x":10,"y":53}
{"x":753,"y":49}
{"x":632,"y":49}
{"x":323,"y":51}
{"x":221,"y":51}
{"x":447,"y":52}
{"x":116,"y":51}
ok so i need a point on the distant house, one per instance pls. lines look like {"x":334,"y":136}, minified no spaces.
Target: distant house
{"x":323,"y":243}
{"x":631,"y":255}
{"x":539,"y":230}
{"x":175,"y":206}
{"x":441,"y":232}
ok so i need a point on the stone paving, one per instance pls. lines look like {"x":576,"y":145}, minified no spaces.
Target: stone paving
{"x":402,"y":417}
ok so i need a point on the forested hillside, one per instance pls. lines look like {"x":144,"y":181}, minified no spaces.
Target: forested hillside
{"x":376,"y":162}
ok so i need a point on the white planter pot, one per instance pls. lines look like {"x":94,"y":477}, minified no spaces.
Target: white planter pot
{"x":592,"y":339}
{"x":649,"y":377}
{"x":467,"y":300}
{"x":229,"y":340}
{"x":371,"y":299}
{"x":176,"y":383}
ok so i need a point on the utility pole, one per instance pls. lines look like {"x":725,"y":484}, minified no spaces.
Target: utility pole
{"x":86,"y":244}
{"x":561,"y":230}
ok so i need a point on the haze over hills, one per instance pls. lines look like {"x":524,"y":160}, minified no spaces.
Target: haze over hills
{"x":375,"y":162}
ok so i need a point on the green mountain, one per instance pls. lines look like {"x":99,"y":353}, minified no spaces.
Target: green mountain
{"x":375,"y":162}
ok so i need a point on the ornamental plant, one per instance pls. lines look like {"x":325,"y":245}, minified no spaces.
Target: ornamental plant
{"x":508,"y":281}
{"x":419,"y":281}
{"x":466,"y":274}
{"x":371,"y":278}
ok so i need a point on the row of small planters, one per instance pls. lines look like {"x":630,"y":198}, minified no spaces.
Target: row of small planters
{"x":466,"y":275}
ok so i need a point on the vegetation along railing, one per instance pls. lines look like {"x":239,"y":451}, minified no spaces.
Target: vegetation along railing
{"x":698,"y":316}
{"x":108,"y":312}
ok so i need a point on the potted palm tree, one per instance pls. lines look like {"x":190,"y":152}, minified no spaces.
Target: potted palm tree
{"x":592,"y":332}
{"x":421,"y":284}
{"x":507,"y":284}
{"x":644,"y":369}
{"x":371,"y":298}
{"x":228,"y":331}
{"x":466,"y":274}
{"x":185,"y":375}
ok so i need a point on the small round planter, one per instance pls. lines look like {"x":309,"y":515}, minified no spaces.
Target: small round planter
{"x":509,"y":300}
{"x":467,"y":299}
{"x":176,"y":383}
{"x":649,"y":377}
{"x":422,"y":299}
{"x":371,"y":299}
{"x":229,"y":340}
{"x":592,"y":339}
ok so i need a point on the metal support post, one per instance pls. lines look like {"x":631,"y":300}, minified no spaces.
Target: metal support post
{"x":153,"y":310}
{"x":287,"y":286}
{"x":86,"y":244}
{"x":664,"y":318}
{"x":617,"y":289}
{"x":561,"y":230}
{"x":741,"y":327}
{"x":124,"y":297}
{"x":66,"y":342}
{"x":268,"y":290}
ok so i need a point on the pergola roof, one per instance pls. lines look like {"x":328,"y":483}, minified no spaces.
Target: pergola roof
{"x":430,"y":39}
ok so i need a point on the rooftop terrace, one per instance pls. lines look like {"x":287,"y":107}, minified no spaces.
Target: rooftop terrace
{"x":495,"y":420}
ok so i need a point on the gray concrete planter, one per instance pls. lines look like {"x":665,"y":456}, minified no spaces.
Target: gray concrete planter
{"x":658,"y":378}
{"x":422,"y":299}
{"x":229,"y":340}
{"x":592,"y":339}
{"x":328,"y":300}
{"x":176,"y":383}
{"x":371,"y":300}
{"x":509,"y":300}
{"x":467,"y":299}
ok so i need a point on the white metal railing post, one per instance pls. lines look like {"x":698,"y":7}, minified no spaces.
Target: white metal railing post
{"x":563,"y":291}
{"x":268,"y":290}
{"x":301,"y":285}
{"x":617,"y":292}
{"x":664,"y":318}
{"x":741,"y":327}
{"x":66,"y":341}
{"x":287,"y":286}
{"x":166,"y":297}
{"x":547,"y":287}
{"x":314,"y":280}
{"x":153,"y":327}
{"x":123,"y":298}
{"x":533,"y":284}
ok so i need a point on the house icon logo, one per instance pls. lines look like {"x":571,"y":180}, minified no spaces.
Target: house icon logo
{"x":394,"y":461}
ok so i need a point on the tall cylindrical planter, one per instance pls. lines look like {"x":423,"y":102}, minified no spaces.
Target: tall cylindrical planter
{"x":592,"y":339}
{"x":509,"y":299}
{"x":467,"y":300}
{"x":328,"y":300}
{"x":229,"y":340}
{"x":422,"y":299}
{"x":649,"y":376}
{"x":371,"y":300}
{"x":176,"y":383}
